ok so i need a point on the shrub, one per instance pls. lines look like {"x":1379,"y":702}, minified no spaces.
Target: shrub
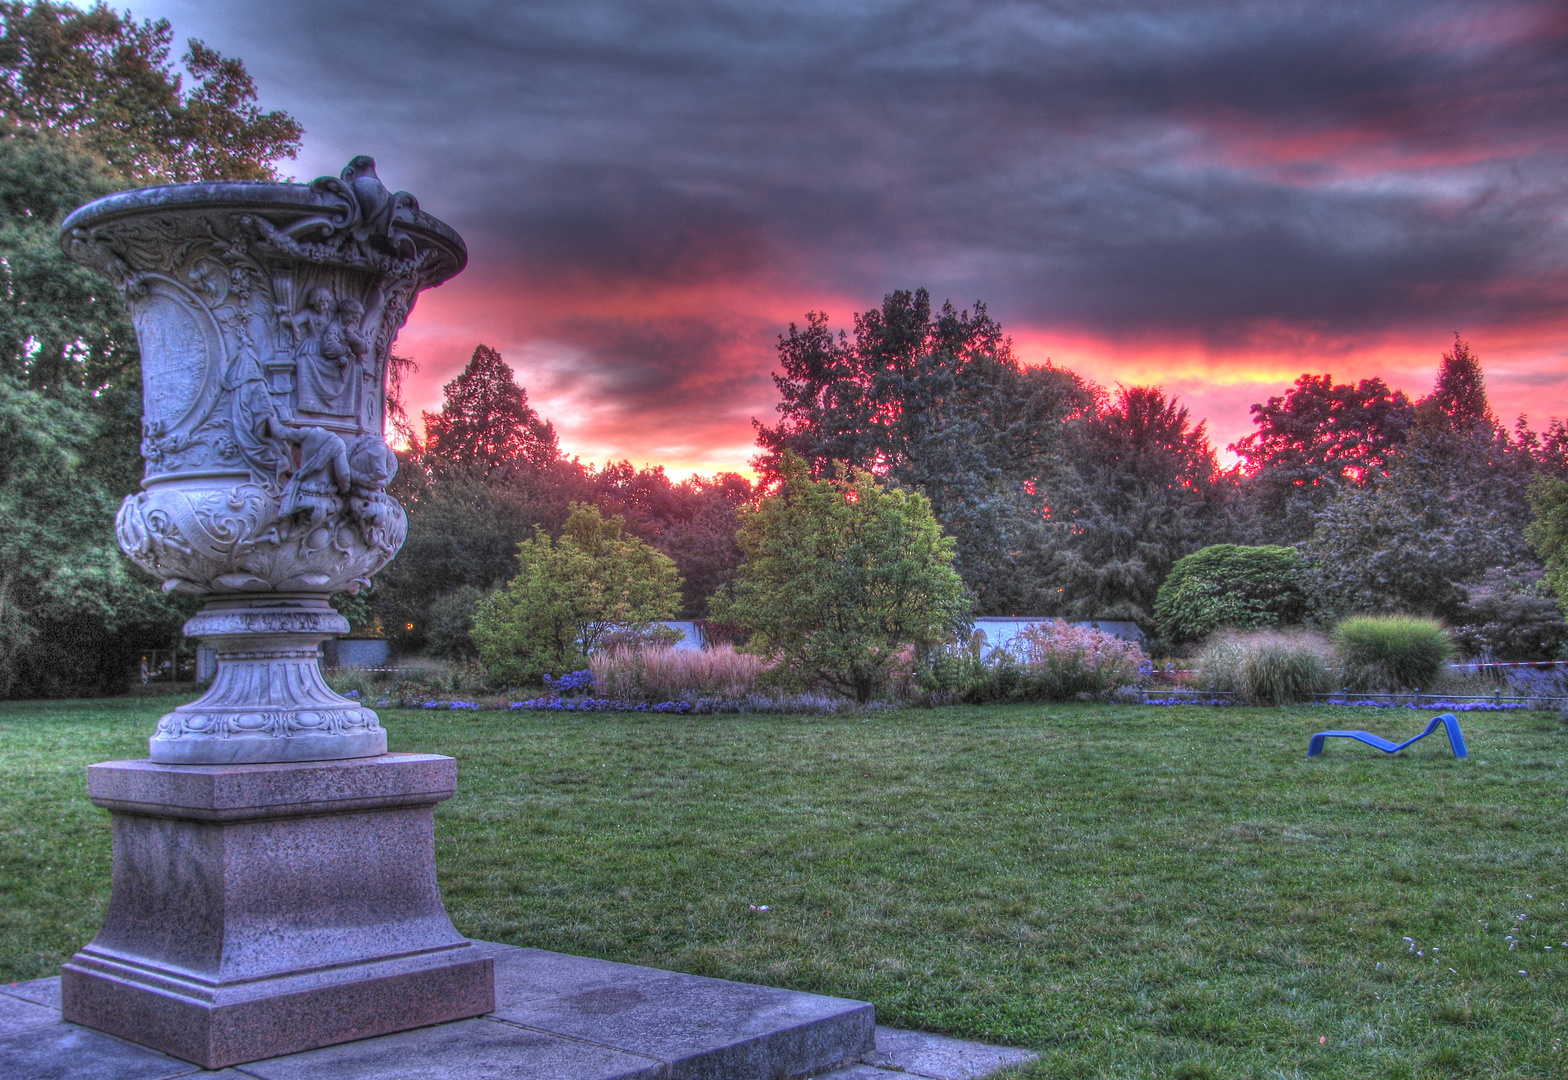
{"x":1510,"y":616}
{"x":570,"y":595}
{"x":1392,"y":652}
{"x":660,"y":673}
{"x":1267,"y":667}
{"x":1047,"y":661}
{"x":1229,"y":586}
{"x":840,"y":575}
{"x":450,"y":622}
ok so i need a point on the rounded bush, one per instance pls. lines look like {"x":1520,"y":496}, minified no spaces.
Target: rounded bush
{"x":1229,"y":586}
{"x":1392,"y":652}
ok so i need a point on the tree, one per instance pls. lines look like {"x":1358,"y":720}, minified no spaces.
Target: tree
{"x":1229,"y":586}
{"x":1318,"y":438}
{"x":570,"y":595}
{"x":840,"y":576}
{"x":1452,"y":506}
{"x":485,"y":419}
{"x":1136,"y":488}
{"x":107,"y":81}
{"x":935,"y":403}
{"x":89,"y":105}
{"x":1547,"y":531}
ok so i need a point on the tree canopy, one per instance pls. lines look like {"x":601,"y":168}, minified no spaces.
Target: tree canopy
{"x":840,"y":575}
{"x":485,"y":419}
{"x":570,"y":595}
{"x":107,"y":81}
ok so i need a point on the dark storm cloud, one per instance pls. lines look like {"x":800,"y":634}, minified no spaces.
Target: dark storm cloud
{"x":1196,"y":169}
{"x":705,"y":138}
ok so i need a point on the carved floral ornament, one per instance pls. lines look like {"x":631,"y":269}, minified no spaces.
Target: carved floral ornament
{"x":265,"y":314}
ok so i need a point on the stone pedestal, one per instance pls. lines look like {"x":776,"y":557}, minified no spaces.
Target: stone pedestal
{"x":265,"y":909}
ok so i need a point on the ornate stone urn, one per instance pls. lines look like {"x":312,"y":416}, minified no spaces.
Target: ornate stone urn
{"x":265,"y":313}
{"x":274,"y":868}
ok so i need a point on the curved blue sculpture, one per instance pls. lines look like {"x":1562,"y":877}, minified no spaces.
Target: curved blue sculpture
{"x":1455,"y":738}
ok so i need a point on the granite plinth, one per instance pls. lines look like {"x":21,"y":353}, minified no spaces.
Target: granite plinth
{"x":267,"y":909}
{"x":646,"y":1024}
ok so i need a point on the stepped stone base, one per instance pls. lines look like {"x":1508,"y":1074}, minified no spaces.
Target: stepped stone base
{"x":556,"y":1016}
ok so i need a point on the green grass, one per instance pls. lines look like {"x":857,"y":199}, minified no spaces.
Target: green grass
{"x":1134,"y":892}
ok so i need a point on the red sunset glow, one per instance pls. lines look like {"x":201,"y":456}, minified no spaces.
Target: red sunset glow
{"x":1214,"y":199}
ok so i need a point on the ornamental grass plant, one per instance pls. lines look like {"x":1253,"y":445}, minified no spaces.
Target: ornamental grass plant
{"x":1268,"y":667}
{"x":663,"y":673}
{"x":1392,"y":652}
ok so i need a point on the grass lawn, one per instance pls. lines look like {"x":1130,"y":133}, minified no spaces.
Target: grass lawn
{"x":1134,"y":892}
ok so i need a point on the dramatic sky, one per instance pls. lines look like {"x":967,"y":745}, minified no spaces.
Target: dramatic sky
{"x":1215,"y":197}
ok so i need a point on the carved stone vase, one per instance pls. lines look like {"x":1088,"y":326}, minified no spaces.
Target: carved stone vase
{"x":274,"y":868}
{"x":265,"y":313}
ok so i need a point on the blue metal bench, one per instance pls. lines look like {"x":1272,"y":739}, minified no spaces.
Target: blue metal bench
{"x":1448,"y":720}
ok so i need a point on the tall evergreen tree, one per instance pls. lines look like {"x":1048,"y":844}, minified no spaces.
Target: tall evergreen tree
{"x":485,"y":419}
{"x":1136,"y":488}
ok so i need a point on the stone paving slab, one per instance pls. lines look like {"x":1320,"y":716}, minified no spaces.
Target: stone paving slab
{"x":470,"y":1050}
{"x":68,"y":1052}
{"x":703,"y":1029}
{"x":17,"y":1015}
{"x":558,"y":1017}
{"x":38,"y":991}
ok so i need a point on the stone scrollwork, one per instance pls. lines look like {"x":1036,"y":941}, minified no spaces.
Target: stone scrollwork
{"x":265,"y":314}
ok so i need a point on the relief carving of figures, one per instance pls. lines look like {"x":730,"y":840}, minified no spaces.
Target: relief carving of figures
{"x":320,"y":480}
{"x":265,"y":326}
{"x":329,"y":349}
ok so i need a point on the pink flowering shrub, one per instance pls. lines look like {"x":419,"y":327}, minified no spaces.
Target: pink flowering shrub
{"x":1048,"y":661}
{"x":1063,"y":661}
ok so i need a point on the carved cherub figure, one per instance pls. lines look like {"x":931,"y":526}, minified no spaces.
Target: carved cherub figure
{"x":322,"y":478}
{"x":373,"y":465}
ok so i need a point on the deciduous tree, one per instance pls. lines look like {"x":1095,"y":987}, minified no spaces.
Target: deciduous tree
{"x":840,"y":575}
{"x":570,"y":594}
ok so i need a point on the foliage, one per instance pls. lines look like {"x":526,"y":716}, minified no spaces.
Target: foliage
{"x":1547,"y":531}
{"x":485,"y":419}
{"x":1511,"y":616}
{"x":840,"y":575}
{"x":1048,"y":661}
{"x":1452,"y":506}
{"x":570,"y":594}
{"x":449,"y":625}
{"x":106,"y":80}
{"x":663,"y":673}
{"x":1267,"y":667}
{"x":1317,"y":439}
{"x":89,"y":105}
{"x":1229,"y":586}
{"x":1392,"y":652}
{"x":1136,"y":489}
{"x":65,"y":591}
{"x":934,"y":403}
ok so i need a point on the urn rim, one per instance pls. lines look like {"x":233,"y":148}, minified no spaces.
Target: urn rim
{"x":260,"y":196}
